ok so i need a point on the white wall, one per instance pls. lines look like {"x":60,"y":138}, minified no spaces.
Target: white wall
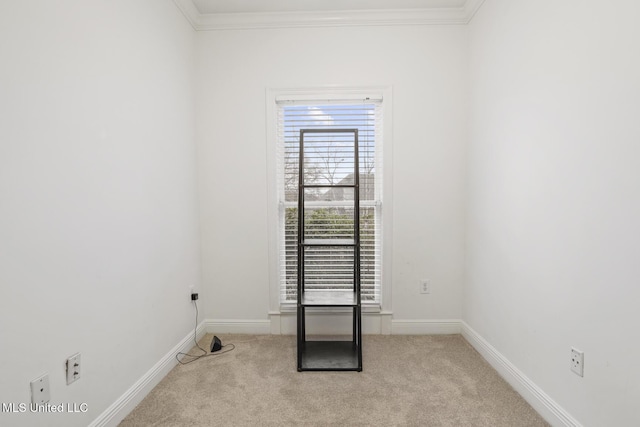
{"x":427,"y":68}
{"x":98,"y":218}
{"x":554,"y":201}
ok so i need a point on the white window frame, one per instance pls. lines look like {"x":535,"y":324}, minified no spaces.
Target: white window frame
{"x":329,"y":94}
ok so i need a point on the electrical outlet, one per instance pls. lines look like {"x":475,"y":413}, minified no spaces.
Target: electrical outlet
{"x":40,"y":390}
{"x":577,"y":361}
{"x":73,"y":368}
{"x":425,"y":286}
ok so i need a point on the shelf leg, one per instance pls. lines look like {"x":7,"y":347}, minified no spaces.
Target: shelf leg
{"x":355,"y":325}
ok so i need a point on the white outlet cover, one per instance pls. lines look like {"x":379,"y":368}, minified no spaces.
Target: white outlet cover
{"x":73,"y":371}
{"x":40,"y":390}
{"x":577,"y":361}
{"x":425,"y":286}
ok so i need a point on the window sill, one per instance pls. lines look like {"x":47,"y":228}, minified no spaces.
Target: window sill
{"x":372,"y":308}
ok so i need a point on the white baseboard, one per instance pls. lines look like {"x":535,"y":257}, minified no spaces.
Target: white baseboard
{"x":252,"y":327}
{"x":538,"y":399}
{"x":115,"y":413}
{"x":425,"y":327}
{"x":373,"y":323}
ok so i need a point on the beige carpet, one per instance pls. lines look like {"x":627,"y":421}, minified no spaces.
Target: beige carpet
{"x":406,"y":381}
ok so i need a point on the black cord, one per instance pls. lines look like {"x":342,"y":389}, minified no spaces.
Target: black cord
{"x":205,"y":353}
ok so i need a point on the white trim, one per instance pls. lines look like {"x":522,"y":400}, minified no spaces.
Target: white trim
{"x":115,"y":413}
{"x":327,"y":92}
{"x":238,"y":326}
{"x":471,"y":7}
{"x":538,"y":399}
{"x":271,"y":110}
{"x":425,"y":327}
{"x":189,"y":11}
{"x":386,"y":322}
{"x":330,"y":92}
{"x":297,"y":98}
{"x":387,"y":200}
{"x":338,"y":18}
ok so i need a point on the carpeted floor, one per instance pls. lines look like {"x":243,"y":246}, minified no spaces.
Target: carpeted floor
{"x":406,"y":381}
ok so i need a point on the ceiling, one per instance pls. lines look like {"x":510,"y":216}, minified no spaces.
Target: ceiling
{"x":261,"y":6}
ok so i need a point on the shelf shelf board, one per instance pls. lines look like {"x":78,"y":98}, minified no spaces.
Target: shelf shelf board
{"x":329,"y":299}
{"x":330,"y":356}
{"x":328,"y":242}
{"x":329,"y":185}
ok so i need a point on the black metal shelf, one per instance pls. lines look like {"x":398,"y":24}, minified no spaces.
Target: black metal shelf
{"x":329,"y":355}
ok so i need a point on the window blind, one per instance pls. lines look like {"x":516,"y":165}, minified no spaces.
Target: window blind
{"x":330,"y":212}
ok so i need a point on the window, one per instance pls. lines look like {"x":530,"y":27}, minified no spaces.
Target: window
{"x":330,"y":211}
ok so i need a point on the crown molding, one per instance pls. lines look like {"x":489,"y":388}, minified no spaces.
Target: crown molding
{"x":189,"y":11}
{"x":470,"y":9}
{"x":339,"y":18}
